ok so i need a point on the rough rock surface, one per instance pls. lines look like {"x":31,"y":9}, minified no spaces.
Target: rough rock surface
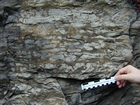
{"x":48,"y":48}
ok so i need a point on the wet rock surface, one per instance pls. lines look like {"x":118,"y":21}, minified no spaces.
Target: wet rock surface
{"x":48,"y":48}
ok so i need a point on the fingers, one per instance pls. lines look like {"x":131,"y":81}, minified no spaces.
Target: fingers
{"x":122,"y":77}
{"x":121,"y":84}
{"x":128,"y":73}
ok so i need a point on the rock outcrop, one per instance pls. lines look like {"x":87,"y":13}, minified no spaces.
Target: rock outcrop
{"x":48,"y":48}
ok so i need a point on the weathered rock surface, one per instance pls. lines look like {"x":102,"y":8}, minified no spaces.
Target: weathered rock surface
{"x":48,"y":48}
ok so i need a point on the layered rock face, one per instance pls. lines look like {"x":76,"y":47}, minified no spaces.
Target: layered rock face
{"x":48,"y":48}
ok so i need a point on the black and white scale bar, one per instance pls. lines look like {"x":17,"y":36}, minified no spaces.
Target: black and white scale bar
{"x":102,"y":82}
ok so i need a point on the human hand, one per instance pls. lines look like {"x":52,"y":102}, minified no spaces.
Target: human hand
{"x":128,"y":73}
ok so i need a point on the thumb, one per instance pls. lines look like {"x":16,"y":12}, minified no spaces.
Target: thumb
{"x":122,"y":77}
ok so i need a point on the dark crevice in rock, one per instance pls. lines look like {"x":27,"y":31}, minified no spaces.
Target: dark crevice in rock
{"x":1,"y":20}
